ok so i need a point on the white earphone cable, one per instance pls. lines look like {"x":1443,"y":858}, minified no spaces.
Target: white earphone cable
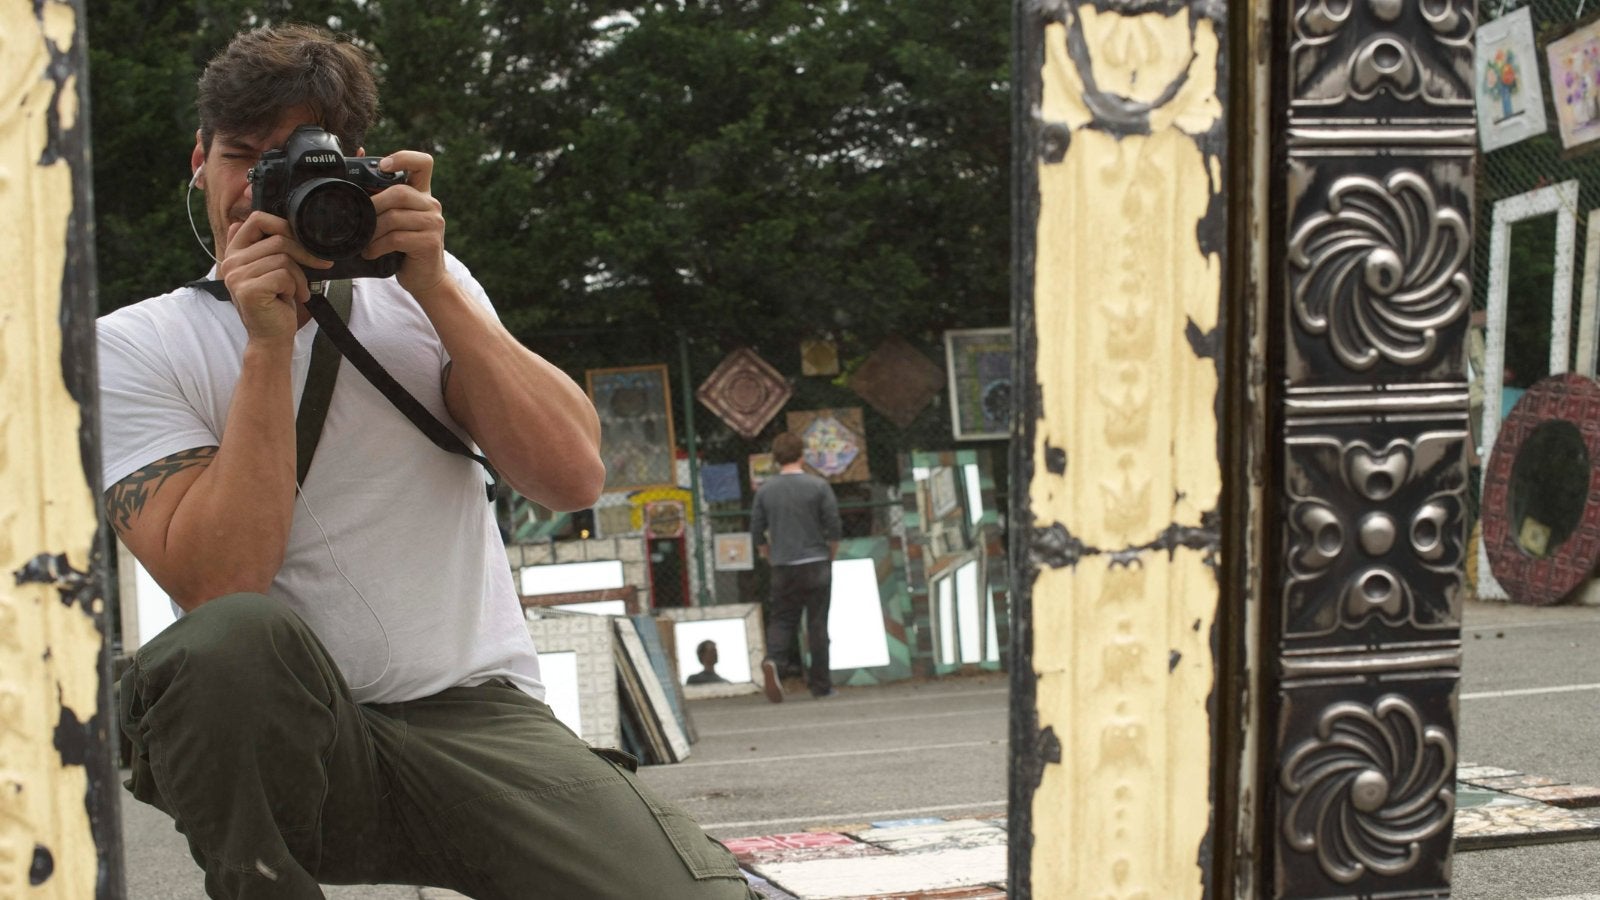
{"x":388,"y":648}
{"x":188,"y":206}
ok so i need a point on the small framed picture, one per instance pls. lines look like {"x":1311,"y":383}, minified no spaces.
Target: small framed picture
{"x":978,"y":361}
{"x":635,"y":410}
{"x":1510,"y":98}
{"x":735,"y":552}
{"x":1574,"y":64}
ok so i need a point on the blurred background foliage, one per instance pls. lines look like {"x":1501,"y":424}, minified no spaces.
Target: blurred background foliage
{"x":637,"y":183}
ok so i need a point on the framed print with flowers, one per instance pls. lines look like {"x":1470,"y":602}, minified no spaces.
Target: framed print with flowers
{"x":1574,"y":63}
{"x":1510,"y":97}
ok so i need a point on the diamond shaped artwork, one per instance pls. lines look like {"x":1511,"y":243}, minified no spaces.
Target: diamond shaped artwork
{"x":898,"y":380}
{"x":819,"y":357}
{"x":745,"y":391}
{"x":835,"y":442}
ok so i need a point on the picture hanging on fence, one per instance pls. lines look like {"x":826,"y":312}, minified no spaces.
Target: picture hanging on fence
{"x":636,"y":440}
{"x":762,"y":467}
{"x":745,"y":391}
{"x":1509,"y":94}
{"x":979,"y":363}
{"x":898,"y":380}
{"x":735,"y":551}
{"x":835,"y":442}
{"x":1575,"y":85}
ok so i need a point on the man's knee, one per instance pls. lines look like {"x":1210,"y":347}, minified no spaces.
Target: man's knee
{"x":223,"y":646}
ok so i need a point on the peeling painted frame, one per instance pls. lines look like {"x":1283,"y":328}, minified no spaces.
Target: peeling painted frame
{"x":1123,"y":307}
{"x":1562,"y":201}
{"x":60,"y":829}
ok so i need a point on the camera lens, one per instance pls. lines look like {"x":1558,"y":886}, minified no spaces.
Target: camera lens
{"x":333,"y":218}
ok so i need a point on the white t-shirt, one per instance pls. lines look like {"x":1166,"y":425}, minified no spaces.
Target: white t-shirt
{"x":394,"y":557}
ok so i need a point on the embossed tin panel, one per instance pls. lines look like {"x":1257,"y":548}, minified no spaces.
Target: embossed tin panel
{"x":1375,"y":533}
{"x":1366,"y":787}
{"x":1381,"y":58}
{"x":1378,"y":267}
{"x":1371,"y":298}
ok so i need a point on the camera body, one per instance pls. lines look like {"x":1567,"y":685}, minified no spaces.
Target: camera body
{"x":327,"y":199}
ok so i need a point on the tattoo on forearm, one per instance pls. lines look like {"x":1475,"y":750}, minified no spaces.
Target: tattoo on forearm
{"x":127,"y":498}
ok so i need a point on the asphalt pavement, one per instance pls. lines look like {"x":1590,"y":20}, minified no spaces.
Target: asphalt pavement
{"x":1530,"y":701}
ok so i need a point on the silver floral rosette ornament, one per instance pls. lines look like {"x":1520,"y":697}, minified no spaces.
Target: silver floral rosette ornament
{"x":1369,"y":789}
{"x":1381,"y":270}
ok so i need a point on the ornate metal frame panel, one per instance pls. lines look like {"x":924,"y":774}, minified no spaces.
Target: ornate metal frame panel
{"x":1370,"y":299}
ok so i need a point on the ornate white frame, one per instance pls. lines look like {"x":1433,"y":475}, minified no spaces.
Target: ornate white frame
{"x":1584,"y":364}
{"x":1562,"y":200}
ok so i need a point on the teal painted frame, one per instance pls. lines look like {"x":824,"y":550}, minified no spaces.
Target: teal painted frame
{"x":987,"y":539}
{"x":889,"y":564}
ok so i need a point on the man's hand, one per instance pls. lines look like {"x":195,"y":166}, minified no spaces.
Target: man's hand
{"x":411,"y":221}
{"x":263,"y":274}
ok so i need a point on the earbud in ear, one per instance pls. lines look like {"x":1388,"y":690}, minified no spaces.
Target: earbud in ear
{"x":195,"y":180}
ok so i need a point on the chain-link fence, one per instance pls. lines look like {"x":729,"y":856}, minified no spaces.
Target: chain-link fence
{"x":1570,"y":88}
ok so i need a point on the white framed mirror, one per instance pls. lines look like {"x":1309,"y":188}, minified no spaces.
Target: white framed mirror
{"x":1560,"y":200}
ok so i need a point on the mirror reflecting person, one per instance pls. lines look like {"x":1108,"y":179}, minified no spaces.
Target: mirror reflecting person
{"x":706,"y":652}
{"x":353,"y":695}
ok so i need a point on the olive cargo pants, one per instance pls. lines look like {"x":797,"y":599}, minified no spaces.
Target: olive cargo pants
{"x":244,"y":731}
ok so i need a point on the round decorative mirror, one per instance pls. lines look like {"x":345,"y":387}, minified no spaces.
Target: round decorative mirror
{"x":1541,"y":491}
{"x":1549,"y":484}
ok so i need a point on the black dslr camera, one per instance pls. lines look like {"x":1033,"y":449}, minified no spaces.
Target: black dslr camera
{"x":327,"y":199}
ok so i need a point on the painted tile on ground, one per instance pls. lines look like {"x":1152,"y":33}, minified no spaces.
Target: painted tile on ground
{"x":892,"y":874}
{"x":1473,"y":773}
{"x":756,"y":858}
{"x":1501,"y":826}
{"x":984,"y":892}
{"x":1469,"y":796}
{"x":744,"y":849}
{"x":1511,"y":782}
{"x":766,"y":889}
{"x":1567,"y":796}
{"x":940,"y":836}
{"x":904,"y":823}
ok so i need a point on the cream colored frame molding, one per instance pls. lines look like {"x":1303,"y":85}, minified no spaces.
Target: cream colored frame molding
{"x":1562,"y":201}
{"x":1584,"y":364}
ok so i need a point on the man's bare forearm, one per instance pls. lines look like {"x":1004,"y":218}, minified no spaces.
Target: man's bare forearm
{"x":532,"y":421}
{"x":230,"y":531}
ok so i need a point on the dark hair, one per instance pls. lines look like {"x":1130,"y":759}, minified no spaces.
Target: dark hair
{"x":266,"y":72}
{"x":787,"y":448}
{"x":701,"y":648}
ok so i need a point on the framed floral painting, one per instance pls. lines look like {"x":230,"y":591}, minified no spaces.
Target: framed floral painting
{"x":1510,"y":98}
{"x":1575,"y":85}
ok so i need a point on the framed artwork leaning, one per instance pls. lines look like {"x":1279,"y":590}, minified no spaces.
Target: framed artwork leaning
{"x":636,"y":440}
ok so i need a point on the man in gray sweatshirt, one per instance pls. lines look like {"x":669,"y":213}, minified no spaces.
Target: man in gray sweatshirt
{"x":795,"y":524}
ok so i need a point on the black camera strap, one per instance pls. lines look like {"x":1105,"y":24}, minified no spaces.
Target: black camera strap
{"x":321,"y":376}
{"x":331,"y":325}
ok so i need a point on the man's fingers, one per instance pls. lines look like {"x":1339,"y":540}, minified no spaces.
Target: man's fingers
{"x":410,"y":231}
{"x":265,"y":234}
{"x":417,"y":165}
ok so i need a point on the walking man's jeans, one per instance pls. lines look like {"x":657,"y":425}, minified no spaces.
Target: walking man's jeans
{"x":804,"y":588}
{"x":244,"y":731}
